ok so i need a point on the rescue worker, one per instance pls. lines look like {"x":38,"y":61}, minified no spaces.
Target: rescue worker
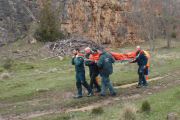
{"x":147,"y":65}
{"x":78,"y":61}
{"x":95,"y":51}
{"x":93,"y":70}
{"x":141,"y":60}
{"x":105,"y":64}
{"x":100,"y":73}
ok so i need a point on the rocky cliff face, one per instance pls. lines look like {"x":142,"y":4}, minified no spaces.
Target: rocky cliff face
{"x":102,"y":20}
{"x":14,"y":18}
{"x":115,"y":22}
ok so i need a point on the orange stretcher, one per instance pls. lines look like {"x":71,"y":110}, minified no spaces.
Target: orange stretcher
{"x":122,"y":56}
{"x":119,"y":57}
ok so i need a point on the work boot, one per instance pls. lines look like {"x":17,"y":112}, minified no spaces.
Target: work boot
{"x":78,"y":96}
{"x":102,"y":95}
{"x":112,"y":94}
{"x":145,"y":84}
{"x":89,"y":94}
{"x":138,"y":86}
{"x":99,"y":90}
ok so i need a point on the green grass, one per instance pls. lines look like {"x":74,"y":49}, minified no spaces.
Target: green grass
{"x":59,"y":76}
{"x":97,"y":110}
{"x":162,"y":103}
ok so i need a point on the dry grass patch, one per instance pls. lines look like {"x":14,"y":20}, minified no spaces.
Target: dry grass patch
{"x":128,"y":113}
{"x":5,"y":75}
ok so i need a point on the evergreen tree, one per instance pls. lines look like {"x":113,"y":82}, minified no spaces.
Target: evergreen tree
{"x":48,"y":25}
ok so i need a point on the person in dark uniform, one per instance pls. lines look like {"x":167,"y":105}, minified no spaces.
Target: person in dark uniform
{"x":95,"y":51}
{"x":105,"y":64}
{"x":78,"y":61}
{"x":141,"y":60}
{"x":93,"y":70}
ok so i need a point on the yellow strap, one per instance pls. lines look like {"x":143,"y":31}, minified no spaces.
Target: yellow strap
{"x":147,"y":54}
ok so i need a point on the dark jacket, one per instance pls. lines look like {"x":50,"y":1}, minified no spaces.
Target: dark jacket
{"x":141,"y":58}
{"x":105,"y":63}
{"x":79,"y":63}
{"x":92,"y":66}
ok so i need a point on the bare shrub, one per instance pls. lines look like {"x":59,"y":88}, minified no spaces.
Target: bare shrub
{"x":129,"y":112}
{"x":5,"y":75}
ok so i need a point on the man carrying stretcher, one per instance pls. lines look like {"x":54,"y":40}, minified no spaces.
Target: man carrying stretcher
{"x":141,"y":60}
{"x":140,"y":56}
{"x":93,"y":68}
{"x":105,"y":64}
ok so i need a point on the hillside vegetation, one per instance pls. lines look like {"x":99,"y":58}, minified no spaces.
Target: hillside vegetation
{"x":38,"y":87}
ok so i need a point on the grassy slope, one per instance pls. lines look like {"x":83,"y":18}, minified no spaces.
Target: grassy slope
{"x":162,"y":103}
{"x":59,"y":76}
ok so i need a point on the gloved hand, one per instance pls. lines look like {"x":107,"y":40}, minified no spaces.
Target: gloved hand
{"x":144,"y":67}
{"x":130,"y":61}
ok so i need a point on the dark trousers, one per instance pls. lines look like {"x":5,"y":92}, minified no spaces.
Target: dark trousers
{"x":100,"y":72}
{"x":93,"y":75}
{"x":146,"y":71}
{"x":141,"y":75}
{"x":105,"y":82}
{"x":80,"y":80}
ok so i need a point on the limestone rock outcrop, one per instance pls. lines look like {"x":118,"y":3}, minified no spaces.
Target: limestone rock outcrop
{"x":113,"y":22}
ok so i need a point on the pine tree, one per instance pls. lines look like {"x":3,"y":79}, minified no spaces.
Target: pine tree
{"x":49,"y":26}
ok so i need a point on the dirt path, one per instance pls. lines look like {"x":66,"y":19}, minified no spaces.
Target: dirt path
{"x":26,"y":102}
{"x":90,"y":107}
{"x":106,"y":102}
{"x":132,"y":84}
{"x":131,"y":93}
{"x":32,"y":102}
{"x":134,"y":96}
{"x":36,"y":101}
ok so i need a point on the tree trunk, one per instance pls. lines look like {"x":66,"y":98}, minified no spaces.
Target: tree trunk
{"x":153,"y":30}
{"x":168,"y":30}
{"x":168,"y":42}
{"x":150,"y":42}
{"x":153,"y":36}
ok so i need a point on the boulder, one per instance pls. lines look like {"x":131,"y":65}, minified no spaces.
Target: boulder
{"x":32,"y":40}
{"x":172,"y":116}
